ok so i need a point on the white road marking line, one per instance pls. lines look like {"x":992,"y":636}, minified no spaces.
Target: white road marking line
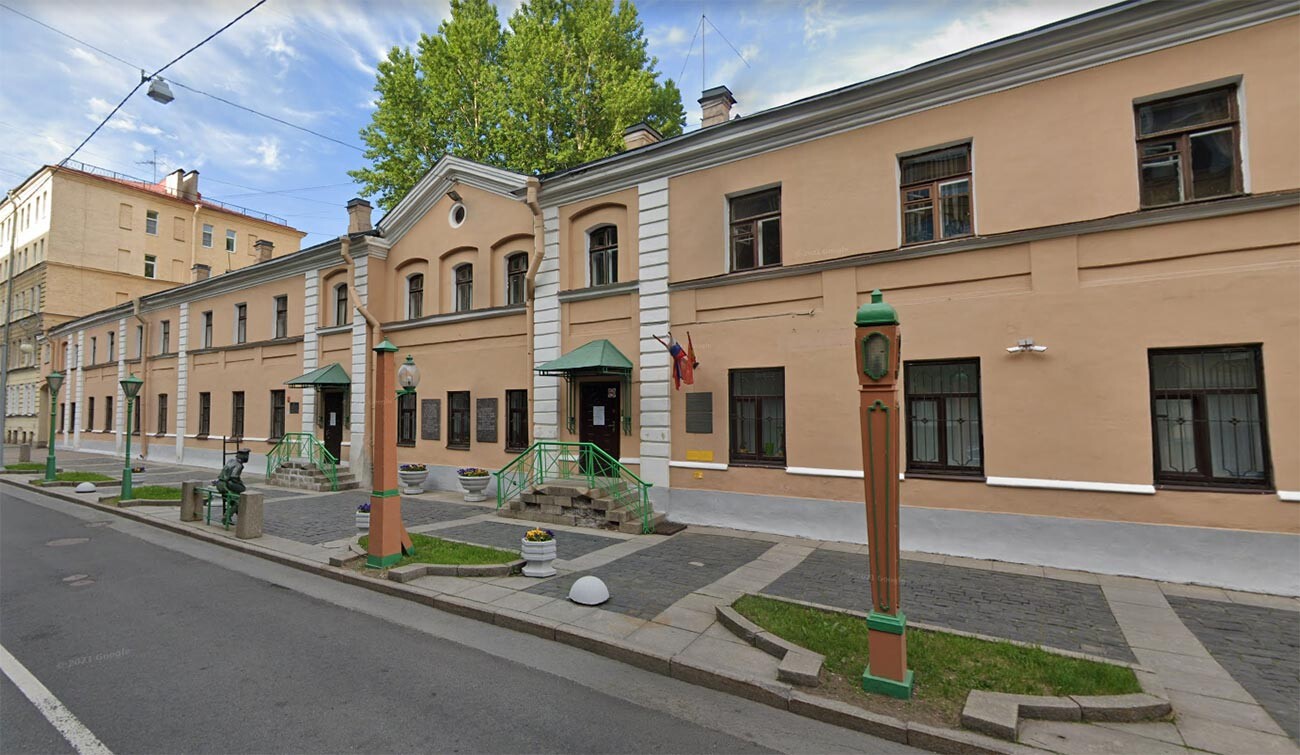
{"x":81,"y":738}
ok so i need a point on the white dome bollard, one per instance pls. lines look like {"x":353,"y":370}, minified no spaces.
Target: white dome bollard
{"x":589,"y":591}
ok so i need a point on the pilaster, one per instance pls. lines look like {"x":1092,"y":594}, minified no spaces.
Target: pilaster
{"x":310,"y":345}
{"x":119,"y":403}
{"x":182,"y":379}
{"x":546,"y":329}
{"x":655,"y":365}
{"x":78,"y":397}
{"x":358,"y":455}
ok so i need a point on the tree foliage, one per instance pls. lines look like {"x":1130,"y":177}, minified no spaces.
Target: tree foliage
{"x":554,"y":89}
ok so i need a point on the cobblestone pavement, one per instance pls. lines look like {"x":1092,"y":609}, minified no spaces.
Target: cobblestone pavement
{"x":320,"y":519}
{"x":646,"y":582}
{"x":570,"y":545}
{"x":1055,"y":613}
{"x":1259,"y":647}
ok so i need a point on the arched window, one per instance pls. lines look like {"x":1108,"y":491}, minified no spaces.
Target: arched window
{"x":602,"y":255}
{"x":342,"y":308}
{"x":414,"y":296}
{"x":516,"y":270}
{"x":464,"y":287}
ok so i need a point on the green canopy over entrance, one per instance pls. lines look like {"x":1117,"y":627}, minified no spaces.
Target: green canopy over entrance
{"x":332,"y":374}
{"x":598,"y":357}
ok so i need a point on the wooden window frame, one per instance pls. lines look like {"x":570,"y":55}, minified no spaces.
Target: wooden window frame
{"x":514,"y":444}
{"x":935,"y":197}
{"x":90,"y":415}
{"x":280,"y":329}
{"x":110,"y":419}
{"x":602,"y":258}
{"x":462,"y":282}
{"x":460,"y":443}
{"x":942,"y":468}
{"x":342,"y":307}
{"x":237,"y":406}
{"x":1200,"y":434}
{"x":164,"y":336}
{"x":206,"y":321}
{"x":241,"y":323}
{"x":516,"y":277}
{"x":759,"y":459}
{"x":408,"y":423}
{"x":736,"y":227}
{"x":205,"y":415}
{"x":1183,"y":139}
{"x":414,"y":296}
{"x":161,"y":425}
{"x":279,"y":405}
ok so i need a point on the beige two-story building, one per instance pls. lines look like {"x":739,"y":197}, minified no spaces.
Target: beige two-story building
{"x":1090,"y":231}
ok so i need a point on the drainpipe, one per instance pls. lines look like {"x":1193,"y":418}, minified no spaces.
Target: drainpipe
{"x":539,"y":250}
{"x":345,"y":244}
{"x":144,"y":375}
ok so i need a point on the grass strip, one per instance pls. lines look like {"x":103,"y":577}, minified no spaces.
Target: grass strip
{"x":26,"y":466}
{"x":432,"y":550}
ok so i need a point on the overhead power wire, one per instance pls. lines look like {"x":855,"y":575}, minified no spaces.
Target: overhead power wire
{"x":143,"y":79}
{"x":724,"y":39}
{"x":183,"y":85}
{"x":690,"y":49}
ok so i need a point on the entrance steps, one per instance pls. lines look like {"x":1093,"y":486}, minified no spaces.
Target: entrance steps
{"x":304,"y":475}
{"x":571,"y":502}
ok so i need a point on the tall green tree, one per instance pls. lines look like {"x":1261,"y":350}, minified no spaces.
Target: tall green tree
{"x":555,"y":89}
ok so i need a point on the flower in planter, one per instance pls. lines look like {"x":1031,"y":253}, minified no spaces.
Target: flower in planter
{"x":472,"y":472}
{"x":539,"y":535}
{"x":364,"y":508}
{"x":137,"y":469}
{"x":412,"y":467}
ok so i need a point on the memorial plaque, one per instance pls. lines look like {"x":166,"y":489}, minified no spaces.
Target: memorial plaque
{"x":485,"y":420}
{"x":430,"y":418}
{"x":699,"y":412}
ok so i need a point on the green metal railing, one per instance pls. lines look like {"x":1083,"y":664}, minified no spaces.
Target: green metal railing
{"x":557,"y":461}
{"x":303,"y":448}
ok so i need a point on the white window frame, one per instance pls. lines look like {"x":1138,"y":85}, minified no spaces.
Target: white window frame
{"x":208,"y":231}
{"x":232,"y":245}
{"x":151,"y":219}
{"x":150,"y":261}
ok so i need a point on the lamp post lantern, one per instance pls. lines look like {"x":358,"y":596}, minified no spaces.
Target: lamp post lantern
{"x":55,"y":381}
{"x":876,"y":363}
{"x":131,"y":387}
{"x":388,"y":537}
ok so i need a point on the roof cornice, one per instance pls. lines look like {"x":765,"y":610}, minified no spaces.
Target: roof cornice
{"x":1086,"y":41}
{"x":446,"y":173}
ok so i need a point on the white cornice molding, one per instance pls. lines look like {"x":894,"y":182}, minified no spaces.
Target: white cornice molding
{"x":440,"y":179}
{"x":1086,"y":485}
{"x":1090,"y":40}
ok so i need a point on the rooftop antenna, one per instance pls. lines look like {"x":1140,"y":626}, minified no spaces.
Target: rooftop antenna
{"x":153,"y":162}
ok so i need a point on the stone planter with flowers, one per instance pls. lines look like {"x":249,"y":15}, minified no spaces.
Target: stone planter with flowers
{"x":412,"y":477}
{"x":538,"y":550}
{"x":363,"y":517}
{"x":474,"y":480}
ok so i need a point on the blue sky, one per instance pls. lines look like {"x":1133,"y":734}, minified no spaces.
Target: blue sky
{"x":312,"y":62}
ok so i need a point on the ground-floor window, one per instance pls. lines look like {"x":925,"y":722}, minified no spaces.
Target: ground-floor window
{"x":516,"y":420}
{"x":205,"y":414}
{"x":1208,"y":417}
{"x":406,"y":422}
{"x":162,"y":414}
{"x":277,"y":415}
{"x":237,"y":415}
{"x":758,"y":416}
{"x":944,"y":431}
{"x":90,"y":415}
{"x":109,"y":420}
{"x":458,"y":419}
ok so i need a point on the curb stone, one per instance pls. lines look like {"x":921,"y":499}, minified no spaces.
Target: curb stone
{"x":998,"y":714}
{"x":776,"y":694}
{"x":798,"y":665}
{"x":415,"y":571}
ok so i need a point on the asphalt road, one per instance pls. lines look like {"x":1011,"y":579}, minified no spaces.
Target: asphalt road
{"x":160,"y":643}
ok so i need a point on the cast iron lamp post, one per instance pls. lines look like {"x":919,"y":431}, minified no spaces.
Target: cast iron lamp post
{"x":55,"y":381}
{"x":388,"y":538}
{"x":877,"y":346}
{"x":131,"y":387}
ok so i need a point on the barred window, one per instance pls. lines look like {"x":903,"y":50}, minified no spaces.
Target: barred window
{"x":458,"y":419}
{"x":944,"y":429}
{"x":406,"y":422}
{"x":758,"y":416}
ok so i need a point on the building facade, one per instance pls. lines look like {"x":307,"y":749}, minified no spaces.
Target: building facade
{"x":81,"y":239}
{"x":1122,"y":188}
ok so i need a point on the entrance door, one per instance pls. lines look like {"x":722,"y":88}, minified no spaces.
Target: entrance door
{"x":332,"y":416}
{"x":599,"y":407}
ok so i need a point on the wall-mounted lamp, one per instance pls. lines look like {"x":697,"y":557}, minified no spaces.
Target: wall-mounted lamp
{"x":455,"y":195}
{"x":1026,"y":344}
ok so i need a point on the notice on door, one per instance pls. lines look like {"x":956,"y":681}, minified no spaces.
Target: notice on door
{"x":598,"y":416}
{"x":334,"y":419}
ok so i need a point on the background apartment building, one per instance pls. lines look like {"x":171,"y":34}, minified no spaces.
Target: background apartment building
{"x":1123,"y":188}
{"x":78,"y":239}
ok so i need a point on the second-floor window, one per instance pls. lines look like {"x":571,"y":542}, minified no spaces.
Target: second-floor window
{"x":756,"y":230}
{"x":241,"y":323}
{"x":94,"y":349}
{"x":151,"y":222}
{"x":342,"y":310}
{"x":112,"y":346}
{"x":281,"y":316}
{"x":164,"y":337}
{"x":207,"y":330}
{"x":464,"y":275}
{"x":230,"y":240}
{"x":207,"y":236}
{"x":602,"y":255}
{"x":414,"y":296}
{"x":1188,"y":147}
{"x":516,"y":272}
{"x":150,"y":266}
{"x":936,"y":194}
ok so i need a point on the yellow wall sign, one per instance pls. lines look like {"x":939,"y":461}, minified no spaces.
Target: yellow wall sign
{"x":692,"y":455}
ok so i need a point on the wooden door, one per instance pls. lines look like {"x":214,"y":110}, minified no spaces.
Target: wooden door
{"x":599,"y":423}
{"x":332,"y":418}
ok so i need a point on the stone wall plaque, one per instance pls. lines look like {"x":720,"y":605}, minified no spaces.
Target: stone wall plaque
{"x":430,"y":418}
{"x":699,"y":412}
{"x":485,"y":420}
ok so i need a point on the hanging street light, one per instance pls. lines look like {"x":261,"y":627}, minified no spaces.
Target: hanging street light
{"x":131,"y":387}
{"x":158,"y":89}
{"x":55,"y":381}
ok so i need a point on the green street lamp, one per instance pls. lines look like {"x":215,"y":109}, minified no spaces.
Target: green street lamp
{"x":408,"y":376}
{"x":55,"y":381}
{"x":131,"y":387}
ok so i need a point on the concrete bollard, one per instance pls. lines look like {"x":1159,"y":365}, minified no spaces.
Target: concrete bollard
{"x":191,"y":502}
{"x":248,"y":519}
{"x":24,"y":453}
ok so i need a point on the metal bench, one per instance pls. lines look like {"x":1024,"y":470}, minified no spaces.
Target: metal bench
{"x":229,"y":505}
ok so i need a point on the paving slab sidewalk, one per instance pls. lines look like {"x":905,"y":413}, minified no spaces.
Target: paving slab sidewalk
{"x":1229,"y":661}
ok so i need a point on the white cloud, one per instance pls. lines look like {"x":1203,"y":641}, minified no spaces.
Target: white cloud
{"x":817,"y":25}
{"x":269,"y":152}
{"x":278,"y":47}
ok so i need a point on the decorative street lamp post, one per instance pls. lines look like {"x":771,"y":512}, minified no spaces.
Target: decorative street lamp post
{"x":55,"y":381}
{"x":388,"y":538}
{"x":131,"y":387}
{"x":877,"y":346}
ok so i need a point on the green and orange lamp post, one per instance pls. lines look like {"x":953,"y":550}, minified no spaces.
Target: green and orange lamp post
{"x":55,"y":381}
{"x":388,"y":537}
{"x":131,"y":388}
{"x":877,"y":349}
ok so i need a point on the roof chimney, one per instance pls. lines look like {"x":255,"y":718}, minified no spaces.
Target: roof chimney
{"x":715,"y":106}
{"x":190,"y":186}
{"x":201,"y":272}
{"x":172,"y":183}
{"x":358,"y":215}
{"x":640,"y":135}
{"x":263,"y":248}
